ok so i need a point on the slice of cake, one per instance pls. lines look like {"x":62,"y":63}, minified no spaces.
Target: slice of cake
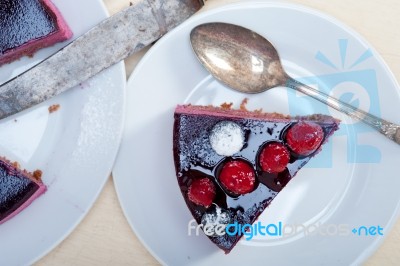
{"x":27,"y":26}
{"x":231,"y":164}
{"x":18,"y":188}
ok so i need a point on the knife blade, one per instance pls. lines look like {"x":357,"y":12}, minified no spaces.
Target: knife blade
{"x":111,"y":41}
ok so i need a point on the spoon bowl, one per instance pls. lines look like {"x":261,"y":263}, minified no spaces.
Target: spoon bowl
{"x":247,"y":62}
{"x":238,"y":57}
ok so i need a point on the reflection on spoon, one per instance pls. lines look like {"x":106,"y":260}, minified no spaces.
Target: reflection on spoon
{"x":247,"y":62}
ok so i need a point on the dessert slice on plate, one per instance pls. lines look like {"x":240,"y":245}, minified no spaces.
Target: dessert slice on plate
{"x":231,"y":164}
{"x":18,"y":188}
{"x":27,"y":26}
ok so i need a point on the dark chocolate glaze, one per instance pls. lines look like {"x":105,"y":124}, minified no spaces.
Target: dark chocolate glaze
{"x":22,"y":21}
{"x":15,"y":189}
{"x":194,"y":158}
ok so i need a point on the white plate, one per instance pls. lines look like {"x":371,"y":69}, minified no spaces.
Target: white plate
{"x":75,"y":147}
{"x":339,"y":190}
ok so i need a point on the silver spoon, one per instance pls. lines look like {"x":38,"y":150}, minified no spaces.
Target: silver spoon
{"x":247,"y":62}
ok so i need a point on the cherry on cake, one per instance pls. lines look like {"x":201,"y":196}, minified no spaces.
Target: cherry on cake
{"x":231,"y":164}
{"x":18,"y":189}
{"x":27,"y":26}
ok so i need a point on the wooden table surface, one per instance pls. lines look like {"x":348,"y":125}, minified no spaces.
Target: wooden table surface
{"x":104,"y":236}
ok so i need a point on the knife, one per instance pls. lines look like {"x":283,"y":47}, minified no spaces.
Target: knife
{"x":112,"y":40}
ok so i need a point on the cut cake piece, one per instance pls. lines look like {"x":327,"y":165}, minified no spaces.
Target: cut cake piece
{"x":27,"y":26}
{"x":230,"y":164}
{"x":18,"y":189}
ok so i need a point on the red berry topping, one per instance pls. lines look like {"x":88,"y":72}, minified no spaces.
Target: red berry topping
{"x":304,"y":137}
{"x":274,"y":157}
{"x":238,"y":177}
{"x":202,"y":192}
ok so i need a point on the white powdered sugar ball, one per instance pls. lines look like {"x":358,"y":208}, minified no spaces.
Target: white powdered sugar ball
{"x":227,"y":138}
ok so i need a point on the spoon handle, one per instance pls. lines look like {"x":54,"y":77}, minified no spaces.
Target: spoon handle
{"x":388,"y":129}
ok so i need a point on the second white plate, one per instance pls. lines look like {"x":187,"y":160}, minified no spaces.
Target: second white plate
{"x":339,"y":190}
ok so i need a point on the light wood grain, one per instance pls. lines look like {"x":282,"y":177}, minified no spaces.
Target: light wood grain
{"x":104,"y":236}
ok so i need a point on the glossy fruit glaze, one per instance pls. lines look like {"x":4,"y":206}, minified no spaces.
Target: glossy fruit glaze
{"x":27,"y":26}
{"x":17,"y":189}
{"x":23,"y":21}
{"x":196,"y":159}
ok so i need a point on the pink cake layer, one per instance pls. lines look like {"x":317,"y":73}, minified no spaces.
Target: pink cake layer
{"x":240,"y":113}
{"x":62,"y":33}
